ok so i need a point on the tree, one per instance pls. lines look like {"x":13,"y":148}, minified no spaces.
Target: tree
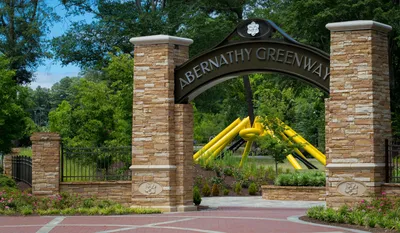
{"x":100,"y":111}
{"x":23,"y":26}
{"x":305,"y":21}
{"x":13,"y":118}
{"x":274,"y":144}
{"x":115,"y":22}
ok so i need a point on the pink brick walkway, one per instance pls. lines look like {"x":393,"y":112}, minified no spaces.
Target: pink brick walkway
{"x":224,"y":219}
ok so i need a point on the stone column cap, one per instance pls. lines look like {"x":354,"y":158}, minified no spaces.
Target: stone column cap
{"x":358,"y":25}
{"x":45,"y":136}
{"x":161,"y":39}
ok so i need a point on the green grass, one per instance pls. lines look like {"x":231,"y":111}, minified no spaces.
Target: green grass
{"x":26,"y":152}
{"x":75,"y":171}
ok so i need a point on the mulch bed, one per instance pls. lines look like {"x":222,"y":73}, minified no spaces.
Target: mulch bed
{"x":23,"y":186}
{"x":228,"y":180}
{"x":362,"y":228}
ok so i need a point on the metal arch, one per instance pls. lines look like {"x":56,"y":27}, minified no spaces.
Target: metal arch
{"x":201,"y":77}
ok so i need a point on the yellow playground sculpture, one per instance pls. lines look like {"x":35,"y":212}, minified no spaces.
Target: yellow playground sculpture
{"x":249,"y":133}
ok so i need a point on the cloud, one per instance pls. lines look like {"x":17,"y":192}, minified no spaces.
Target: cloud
{"x":47,"y":79}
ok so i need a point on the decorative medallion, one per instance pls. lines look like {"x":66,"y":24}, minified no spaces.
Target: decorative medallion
{"x":351,"y":188}
{"x":253,"y":28}
{"x":150,"y":188}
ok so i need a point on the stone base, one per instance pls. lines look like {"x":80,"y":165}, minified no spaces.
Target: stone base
{"x":186,"y":208}
{"x":293,"y":193}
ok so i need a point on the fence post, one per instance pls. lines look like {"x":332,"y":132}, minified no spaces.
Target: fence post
{"x":45,"y":164}
{"x":386,"y":161}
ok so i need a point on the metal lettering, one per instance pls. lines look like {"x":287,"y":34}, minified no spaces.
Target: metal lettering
{"x":204,"y":67}
{"x":239,"y":54}
{"x":189,"y":76}
{"x":183,"y":82}
{"x":296,"y":59}
{"x":270,"y":54}
{"x":213,"y":63}
{"x":248,"y":52}
{"x":196,"y":69}
{"x":258,"y":53}
{"x":307,"y":65}
{"x":222,"y":60}
{"x":319,"y":68}
{"x":281,"y":53}
{"x":230,"y":56}
{"x":288,"y":54}
{"x":327,"y":72}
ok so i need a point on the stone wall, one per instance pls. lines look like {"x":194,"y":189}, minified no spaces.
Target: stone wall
{"x":391,"y":189}
{"x":118,"y":191}
{"x":293,"y":193}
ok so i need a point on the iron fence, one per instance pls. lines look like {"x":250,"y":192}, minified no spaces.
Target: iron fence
{"x":95,"y":163}
{"x":22,"y":169}
{"x":392,"y":154}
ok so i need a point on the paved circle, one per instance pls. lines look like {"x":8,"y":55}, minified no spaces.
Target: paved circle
{"x":221,"y":219}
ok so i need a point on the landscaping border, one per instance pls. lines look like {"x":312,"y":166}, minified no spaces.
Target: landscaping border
{"x":292,"y":193}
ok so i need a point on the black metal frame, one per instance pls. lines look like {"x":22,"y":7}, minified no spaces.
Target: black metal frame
{"x":392,"y":161}
{"x":22,"y":169}
{"x":95,"y":163}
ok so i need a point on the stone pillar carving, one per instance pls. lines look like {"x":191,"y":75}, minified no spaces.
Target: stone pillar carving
{"x":157,"y":149}
{"x":357,"y":111}
{"x":45,"y":164}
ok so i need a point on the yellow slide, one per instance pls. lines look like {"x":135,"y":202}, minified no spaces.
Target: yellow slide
{"x":249,"y":133}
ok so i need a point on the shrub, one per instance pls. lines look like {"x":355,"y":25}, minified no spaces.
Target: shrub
{"x":13,"y":201}
{"x":206,"y":190}
{"x":226,"y":192}
{"x":196,"y":196}
{"x":238,"y":188}
{"x":310,"y":178}
{"x":6,"y":181}
{"x":381,"y":211}
{"x":253,"y":189}
{"x":215,"y":190}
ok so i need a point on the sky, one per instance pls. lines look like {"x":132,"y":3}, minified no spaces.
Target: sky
{"x":51,"y":71}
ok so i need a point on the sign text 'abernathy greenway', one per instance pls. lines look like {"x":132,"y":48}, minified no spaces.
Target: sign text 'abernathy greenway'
{"x":242,"y":58}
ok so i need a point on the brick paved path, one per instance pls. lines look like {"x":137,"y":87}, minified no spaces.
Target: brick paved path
{"x":222,"y":219}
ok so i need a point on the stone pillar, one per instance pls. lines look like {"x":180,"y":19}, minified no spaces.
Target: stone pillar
{"x":155,"y":158}
{"x":45,"y":164}
{"x":7,"y":161}
{"x":357,"y":111}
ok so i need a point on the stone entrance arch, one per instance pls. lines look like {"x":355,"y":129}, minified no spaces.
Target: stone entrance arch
{"x":357,"y":111}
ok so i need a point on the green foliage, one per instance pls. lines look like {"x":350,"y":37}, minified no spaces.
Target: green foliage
{"x":100,"y":110}
{"x":380,"y":211}
{"x":22,"y":35}
{"x":196,"y":196}
{"x":226,"y":192}
{"x":6,"y":181}
{"x":14,"y":201}
{"x":215,"y":190}
{"x":237,"y":188}
{"x":253,"y":189}
{"x":14,"y":121}
{"x":309,"y":178}
{"x":206,"y":191}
